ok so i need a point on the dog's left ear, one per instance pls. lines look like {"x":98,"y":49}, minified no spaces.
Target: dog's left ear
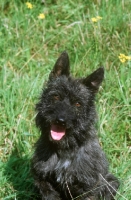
{"x":94,"y":80}
{"x":61,"y":67}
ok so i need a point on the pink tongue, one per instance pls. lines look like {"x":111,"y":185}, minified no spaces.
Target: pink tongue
{"x":57,"y":132}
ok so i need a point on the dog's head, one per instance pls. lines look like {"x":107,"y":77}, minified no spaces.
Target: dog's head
{"x":66,"y":110}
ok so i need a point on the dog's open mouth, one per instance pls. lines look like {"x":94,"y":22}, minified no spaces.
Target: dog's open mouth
{"x":57,"y":131}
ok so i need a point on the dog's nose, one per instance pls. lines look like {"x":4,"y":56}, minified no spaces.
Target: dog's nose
{"x":61,"y":121}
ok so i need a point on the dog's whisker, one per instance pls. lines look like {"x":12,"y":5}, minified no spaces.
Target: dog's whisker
{"x":69,"y":190}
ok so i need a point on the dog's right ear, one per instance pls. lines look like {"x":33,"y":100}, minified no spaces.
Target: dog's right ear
{"x":61,"y":67}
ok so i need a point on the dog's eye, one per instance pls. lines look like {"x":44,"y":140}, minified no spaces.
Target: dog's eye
{"x":56,"y":97}
{"x":77,"y":104}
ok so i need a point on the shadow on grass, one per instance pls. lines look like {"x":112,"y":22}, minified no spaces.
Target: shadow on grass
{"x":17,"y":171}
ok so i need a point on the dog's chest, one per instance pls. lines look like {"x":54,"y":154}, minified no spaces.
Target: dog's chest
{"x":62,"y":170}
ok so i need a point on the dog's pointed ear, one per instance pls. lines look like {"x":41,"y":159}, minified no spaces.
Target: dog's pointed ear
{"x":61,"y":67}
{"x":94,"y":80}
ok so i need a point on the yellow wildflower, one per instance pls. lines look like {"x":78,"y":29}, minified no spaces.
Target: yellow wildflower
{"x":96,"y":19}
{"x":41,"y":16}
{"x":123,"y":58}
{"x":29,"y":5}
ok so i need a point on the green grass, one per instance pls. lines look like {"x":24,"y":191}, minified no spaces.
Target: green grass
{"x":29,"y":47}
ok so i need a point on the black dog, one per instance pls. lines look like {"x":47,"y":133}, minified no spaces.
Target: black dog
{"x":68,"y":162}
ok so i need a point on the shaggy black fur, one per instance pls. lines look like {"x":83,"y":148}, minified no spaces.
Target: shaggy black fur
{"x":68,"y":162}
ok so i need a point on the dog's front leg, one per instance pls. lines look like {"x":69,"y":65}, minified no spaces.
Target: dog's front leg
{"x":47,"y":191}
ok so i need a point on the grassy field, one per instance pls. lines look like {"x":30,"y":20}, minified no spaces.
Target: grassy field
{"x":95,"y":33}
